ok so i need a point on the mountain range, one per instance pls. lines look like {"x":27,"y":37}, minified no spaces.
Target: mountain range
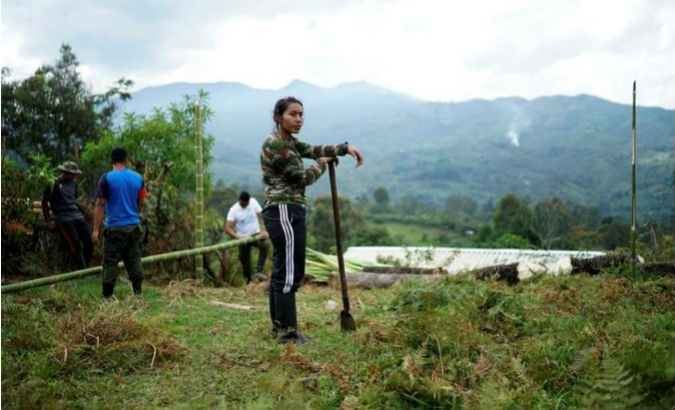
{"x":574,"y":147}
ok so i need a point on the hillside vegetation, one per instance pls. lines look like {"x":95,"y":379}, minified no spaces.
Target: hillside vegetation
{"x":576,"y":148}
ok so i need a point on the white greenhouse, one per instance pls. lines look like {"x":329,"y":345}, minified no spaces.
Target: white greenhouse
{"x":455,"y":260}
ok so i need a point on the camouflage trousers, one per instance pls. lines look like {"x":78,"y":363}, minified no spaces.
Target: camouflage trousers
{"x":122,"y":243}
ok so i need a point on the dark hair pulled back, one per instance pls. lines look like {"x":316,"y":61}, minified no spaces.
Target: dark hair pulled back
{"x":282,"y":104}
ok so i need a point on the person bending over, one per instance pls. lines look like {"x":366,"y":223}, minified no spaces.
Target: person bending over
{"x":243,"y":220}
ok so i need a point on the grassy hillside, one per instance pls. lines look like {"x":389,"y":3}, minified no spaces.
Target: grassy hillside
{"x":556,"y":342}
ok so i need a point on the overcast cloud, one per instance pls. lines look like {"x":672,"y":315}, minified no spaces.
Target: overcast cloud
{"x":434,"y":50}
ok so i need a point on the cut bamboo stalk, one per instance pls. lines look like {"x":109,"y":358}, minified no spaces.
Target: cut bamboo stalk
{"x":15,"y":287}
{"x":199,"y":198}
{"x":633,"y":218}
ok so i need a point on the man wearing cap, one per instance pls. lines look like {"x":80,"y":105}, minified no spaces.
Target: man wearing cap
{"x":120,"y":199}
{"x":61,"y":199}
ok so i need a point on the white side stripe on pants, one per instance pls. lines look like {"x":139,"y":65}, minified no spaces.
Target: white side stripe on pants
{"x":289,"y":238}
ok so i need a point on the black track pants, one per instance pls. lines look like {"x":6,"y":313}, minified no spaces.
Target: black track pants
{"x":286,"y":226}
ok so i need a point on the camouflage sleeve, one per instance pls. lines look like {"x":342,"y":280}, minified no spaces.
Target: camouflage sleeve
{"x":313,"y":173}
{"x":316,"y":151}
{"x":280,"y":161}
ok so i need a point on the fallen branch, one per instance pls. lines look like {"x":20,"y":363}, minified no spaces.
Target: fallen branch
{"x":507,"y":272}
{"x":596,"y":264}
{"x":404,"y":269}
{"x":659,"y":268}
{"x":231,"y":305}
{"x":154,"y":354}
{"x":238,"y":363}
{"x":591,"y":266}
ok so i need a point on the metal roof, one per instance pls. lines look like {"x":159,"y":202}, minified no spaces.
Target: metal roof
{"x":456,"y":260}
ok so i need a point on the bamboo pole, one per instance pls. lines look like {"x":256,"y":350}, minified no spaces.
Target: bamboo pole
{"x":633,"y":199}
{"x":15,"y":287}
{"x":199,"y":200}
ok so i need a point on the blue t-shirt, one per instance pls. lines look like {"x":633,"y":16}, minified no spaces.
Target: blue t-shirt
{"x":121,"y":189}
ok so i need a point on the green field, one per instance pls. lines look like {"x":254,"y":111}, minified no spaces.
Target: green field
{"x":419,"y":235}
{"x":551,"y":343}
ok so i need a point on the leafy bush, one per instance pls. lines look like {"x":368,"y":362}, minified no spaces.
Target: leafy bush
{"x":22,"y":185}
{"x":510,"y":240}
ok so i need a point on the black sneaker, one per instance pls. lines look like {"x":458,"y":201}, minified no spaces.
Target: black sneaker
{"x":136,"y":286}
{"x":300,"y":339}
{"x":108,"y":290}
{"x":292,"y":337}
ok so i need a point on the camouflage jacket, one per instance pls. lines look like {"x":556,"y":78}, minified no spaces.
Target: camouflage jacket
{"x":284,"y":174}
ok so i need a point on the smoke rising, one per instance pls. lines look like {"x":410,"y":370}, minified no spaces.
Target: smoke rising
{"x":520,"y":122}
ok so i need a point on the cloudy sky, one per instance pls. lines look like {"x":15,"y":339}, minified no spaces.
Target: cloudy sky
{"x":438,"y":50}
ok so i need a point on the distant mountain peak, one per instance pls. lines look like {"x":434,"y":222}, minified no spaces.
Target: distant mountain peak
{"x":299,"y":85}
{"x":190,"y":87}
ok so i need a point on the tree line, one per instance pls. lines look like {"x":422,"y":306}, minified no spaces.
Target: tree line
{"x":53,"y":116}
{"x":513,"y":222}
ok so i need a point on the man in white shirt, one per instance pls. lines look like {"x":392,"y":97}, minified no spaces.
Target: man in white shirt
{"x":246,"y":217}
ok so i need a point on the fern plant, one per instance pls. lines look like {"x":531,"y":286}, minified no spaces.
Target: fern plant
{"x":611,"y":387}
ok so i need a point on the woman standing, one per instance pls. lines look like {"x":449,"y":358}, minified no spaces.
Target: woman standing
{"x":285,"y":179}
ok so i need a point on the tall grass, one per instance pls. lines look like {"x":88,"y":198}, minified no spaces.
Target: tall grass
{"x":554,"y":342}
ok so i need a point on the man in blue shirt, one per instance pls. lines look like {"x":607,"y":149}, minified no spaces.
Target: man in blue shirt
{"x":120,"y":199}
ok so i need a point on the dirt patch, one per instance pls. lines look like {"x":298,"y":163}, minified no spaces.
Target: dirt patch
{"x":183,"y":289}
{"x":616,"y":289}
{"x":258,"y":288}
{"x":295,"y":359}
{"x":666,"y":297}
{"x":565,"y":300}
{"x":112,"y":338}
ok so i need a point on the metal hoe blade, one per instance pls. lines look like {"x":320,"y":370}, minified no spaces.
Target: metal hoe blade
{"x":347,"y":321}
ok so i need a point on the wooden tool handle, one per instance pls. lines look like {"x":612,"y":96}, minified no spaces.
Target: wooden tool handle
{"x":338,"y":236}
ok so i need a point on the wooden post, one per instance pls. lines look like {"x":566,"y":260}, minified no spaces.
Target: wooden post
{"x":199,"y":198}
{"x":633,"y":218}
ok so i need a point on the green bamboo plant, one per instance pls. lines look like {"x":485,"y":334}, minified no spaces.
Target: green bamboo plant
{"x":633,"y":199}
{"x":199,"y":200}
